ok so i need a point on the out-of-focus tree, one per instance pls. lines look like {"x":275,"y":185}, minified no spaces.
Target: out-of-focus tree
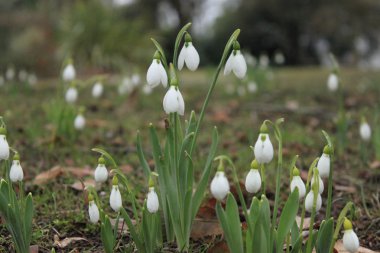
{"x":295,"y":26}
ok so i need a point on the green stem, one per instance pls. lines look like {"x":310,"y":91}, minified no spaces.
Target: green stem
{"x":209,"y":93}
{"x":278,"y":181}
{"x":263,"y":179}
{"x":339,"y":224}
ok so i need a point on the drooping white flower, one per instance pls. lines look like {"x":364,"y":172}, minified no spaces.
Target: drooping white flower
{"x":309,"y":202}
{"x":136,"y":79}
{"x":101,"y":173}
{"x":93,"y":212}
{"x":236,"y":62}
{"x":332,"y":82}
{"x":219,"y":186}
{"x":365,"y":131}
{"x":173,"y":101}
{"x":263,"y":147}
{"x":279,"y":58}
{"x":252,"y":87}
{"x":10,"y":73}
{"x":263,"y":61}
{"x":22,"y":75}
{"x":16,"y":173}
{"x":321,"y":185}
{"x":152,"y":202}
{"x":350,"y":239}
{"x":147,"y":89}
{"x":97,"y":90}
{"x":298,"y":183}
{"x":32,"y":79}
{"x":115,"y":197}
{"x":4,"y":146}
{"x":79,"y":122}
{"x":156,"y":73}
{"x":68,"y":73}
{"x":188,"y":55}
{"x":71,"y":95}
{"x":323,"y":165}
{"x":253,"y":181}
{"x":126,"y":86}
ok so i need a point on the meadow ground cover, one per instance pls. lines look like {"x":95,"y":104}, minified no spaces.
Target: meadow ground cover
{"x":299,"y":95}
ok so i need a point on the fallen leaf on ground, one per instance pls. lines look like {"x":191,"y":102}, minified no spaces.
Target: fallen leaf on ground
{"x":58,"y":171}
{"x":78,"y":185}
{"x":375,"y":165}
{"x":65,"y":242}
{"x":306,"y":222}
{"x":33,"y":249}
{"x":343,"y":188}
{"x":202,"y":228}
{"x":122,"y":225}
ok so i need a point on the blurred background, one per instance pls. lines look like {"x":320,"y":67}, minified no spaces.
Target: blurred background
{"x":112,"y":35}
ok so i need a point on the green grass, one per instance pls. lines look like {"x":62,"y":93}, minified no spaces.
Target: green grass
{"x":297,"y":94}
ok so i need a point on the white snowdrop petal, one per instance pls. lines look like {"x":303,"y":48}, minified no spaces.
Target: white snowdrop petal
{"x":181,"y":103}
{"x":152,"y":202}
{"x":153,"y":76}
{"x":93,"y":212}
{"x":323,"y":165}
{"x":239,"y":65}
{"x":365,"y":131}
{"x":309,"y":202}
{"x":115,"y":199}
{"x":163,"y":75}
{"x":181,"y":58}
{"x":171,"y":102}
{"x":192,"y":57}
{"x":263,"y":150}
{"x":219,"y":186}
{"x":253,"y":181}
{"x":332,"y":82}
{"x":79,"y":122}
{"x":68,"y":73}
{"x":350,"y":241}
{"x":4,"y":148}
{"x":228,"y":65}
{"x":297,"y":182}
{"x":97,"y":90}
{"x":321,"y":187}
{"x":71,"y":95}
{"x":16,"y":173}
{"x":101,"y":173}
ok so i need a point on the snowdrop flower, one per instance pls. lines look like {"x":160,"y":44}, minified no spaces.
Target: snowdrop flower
{"x":4,"y":147}
{"x":152,"y":201}
{"x":156,"y":73}
{"x":22,"y":75}
{"x":350,"y":239}
{"x":135,"y":79}
{"x":126,"y":86}
{"x":10,"y":74}
{"x":68,"y":73}
{"x":71,"y":95}
{"x":365,"y":130}
{"x":323,"y":165}
{"x":236,"y":62}
{"x":298,"y":183}
{"x":101,"y":173}
{"x":263,"y":61}
{"x":173,"y":101}
{"x":321,"y":186}
{"x":115,"y":197}
{"x":16,"y":174}
{"x":263,"y":148}
{"x":80,"y":121}
{"x":310,"y":200}
{"x":93,"y":210}
{"x":241,"y":91}
{"x":32,"y":79}
{"x":279,"y":58}
{"x":147,"y":89}
{"x":252,"y":87}
{"x":97,"y":90}
{"x":188,"y":55}
{"x":332,"y":82}
{"x":219,"y":184}
{"x":253,"y":179}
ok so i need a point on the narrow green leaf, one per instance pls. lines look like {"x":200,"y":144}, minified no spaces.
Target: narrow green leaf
{"x":232,"y":215}
{"x":325,"y":236}
{"x":135,"y":236}
{"x":159,"y":48}
{"x":29,"y":211}
{"x":295,"y":232}
{"x":288,"y":216}
{"x":141,"y":156}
